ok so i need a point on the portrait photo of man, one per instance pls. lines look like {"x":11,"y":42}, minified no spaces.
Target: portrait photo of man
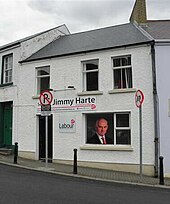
{"x":100,"y":135}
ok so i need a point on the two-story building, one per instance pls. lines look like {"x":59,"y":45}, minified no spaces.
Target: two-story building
{"x":91,"y":75}
{"x":10,"y":69}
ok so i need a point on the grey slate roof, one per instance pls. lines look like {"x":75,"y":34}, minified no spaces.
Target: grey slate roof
{"x":94,"y":40}
{"x":158,"y":29}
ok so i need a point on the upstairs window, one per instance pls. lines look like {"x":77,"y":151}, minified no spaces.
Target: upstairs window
{"x":122,"y":72}
{"x":90,"y":75}
{"x":43,"y":79}
{"x":7,"y":64}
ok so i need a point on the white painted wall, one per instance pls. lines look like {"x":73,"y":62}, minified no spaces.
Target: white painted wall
{"x":163,"y":84}
{"x":23,"y":106}
{"x":36,"y":43}
{"x":68,"y":71}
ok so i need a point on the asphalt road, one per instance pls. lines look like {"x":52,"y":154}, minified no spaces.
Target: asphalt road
{"x":21,"y":186}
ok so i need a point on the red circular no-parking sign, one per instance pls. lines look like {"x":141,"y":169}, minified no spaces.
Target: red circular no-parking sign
{"x":45,"y":98}
{"x":139,"y":98}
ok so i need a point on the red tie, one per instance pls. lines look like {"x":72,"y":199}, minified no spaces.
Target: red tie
{"x":104,"y":140}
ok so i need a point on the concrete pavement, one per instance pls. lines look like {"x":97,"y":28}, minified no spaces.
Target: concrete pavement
{"x":86,"y":172}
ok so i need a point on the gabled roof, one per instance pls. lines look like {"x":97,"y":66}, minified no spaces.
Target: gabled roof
{"x":18,"y":42}
{"x":94,"y":40}
{"x":158,"y":29}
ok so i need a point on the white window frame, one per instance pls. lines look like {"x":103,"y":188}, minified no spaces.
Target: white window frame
{"x":109,"y":116}
{"x":39,"y":77}
{"x":84,"y":63}
{"x":7,"y":69}
{"x":121,"y":68}
{"x":121,"y":128}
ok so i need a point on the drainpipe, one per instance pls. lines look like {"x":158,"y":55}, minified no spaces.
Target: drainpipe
{"x":155,"y":101}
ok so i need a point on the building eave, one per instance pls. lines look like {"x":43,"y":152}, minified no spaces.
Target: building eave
{"x":87,"y":51}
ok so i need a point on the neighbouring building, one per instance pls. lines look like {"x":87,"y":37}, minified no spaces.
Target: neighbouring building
{"x":10,"y":55}
{"x":159,"y":31}
{"x":91,"y":75}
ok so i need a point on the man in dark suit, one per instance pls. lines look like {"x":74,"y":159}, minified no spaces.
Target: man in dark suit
{"x":100,"y":135}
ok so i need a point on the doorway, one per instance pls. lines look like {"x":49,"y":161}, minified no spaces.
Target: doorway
{"x":42,"y":138}
{"x":6,"y":124}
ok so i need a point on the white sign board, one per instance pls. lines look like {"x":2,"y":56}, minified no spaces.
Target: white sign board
{"x":73,"y":104}
{"x":67,"y":124}
{"x":69,"y":104}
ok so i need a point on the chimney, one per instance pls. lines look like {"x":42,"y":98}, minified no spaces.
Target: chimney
{"x":138,"y":14}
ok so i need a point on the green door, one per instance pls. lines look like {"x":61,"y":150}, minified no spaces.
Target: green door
{"x":8,"y":124}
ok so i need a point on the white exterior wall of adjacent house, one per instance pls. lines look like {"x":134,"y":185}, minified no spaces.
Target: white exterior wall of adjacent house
{"x":65,"y":71}
{"x":163,"y":84}
{"x":9,"y":92}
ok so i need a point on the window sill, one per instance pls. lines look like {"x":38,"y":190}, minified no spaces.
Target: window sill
{"x":106,"y":147}
{"x":5,"y":85}
{"x":85,"y":93}
{"x":115,"y":91}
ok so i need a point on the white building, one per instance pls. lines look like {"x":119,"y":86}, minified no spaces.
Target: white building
{"x":10,"y":55}
{"x":93,"y":75}
{"x":88,"y":61}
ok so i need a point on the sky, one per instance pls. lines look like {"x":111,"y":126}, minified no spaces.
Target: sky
{"x":22,"y":18}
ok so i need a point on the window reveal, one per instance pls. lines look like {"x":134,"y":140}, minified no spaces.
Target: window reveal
{"x":90,"y":75}
{"x":7,"y":69}
{"x":119,"y":130}
{"x":43,"y":79}
{"x":122,"y":129}
{"x":122,"y":72}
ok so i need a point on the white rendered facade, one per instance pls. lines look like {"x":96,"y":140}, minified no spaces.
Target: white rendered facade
{"x":66,"y":71}
{"x":10,"y":87}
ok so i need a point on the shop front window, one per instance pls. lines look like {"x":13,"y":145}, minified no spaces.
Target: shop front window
{"x":114,"y":128}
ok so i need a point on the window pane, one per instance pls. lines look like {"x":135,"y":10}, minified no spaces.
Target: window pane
{"x":126,"y":61}
{"x":92,"y":81}
{"x":129,"y":77}
{"x":123,"y":72}
{"x":7,"y":67}
{"x":122,"y":120}
{"x":44,"y":83}
{"x":123,"y":82}
{"x":43,"y":79}
{"x":116,"y":62}
{"x":117,"y":78}
{"x":91,"y":66}
{"x":90,"y":75}
{"x":43,"y":71}
{"x":123,"y":137}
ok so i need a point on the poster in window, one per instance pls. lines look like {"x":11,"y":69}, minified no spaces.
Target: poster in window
{"x":99,"y":128}
{"x":108,"y":128}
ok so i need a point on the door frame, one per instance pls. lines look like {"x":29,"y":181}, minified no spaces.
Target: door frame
{"x":6,"y":126}
{"x":41,"y":137}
